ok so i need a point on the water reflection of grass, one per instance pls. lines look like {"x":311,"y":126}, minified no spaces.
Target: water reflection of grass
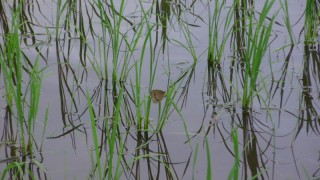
{"x":124,"y":60}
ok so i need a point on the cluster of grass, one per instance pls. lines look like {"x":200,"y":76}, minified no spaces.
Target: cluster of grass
{"x":119,"y":60}
{"x":216,"y":27}
{"x":311,"y":22}
{"x":142,"y":102}
{"x":121,"y":45}
{"x":257,"y":42}
{"x":252,"y":37}
{"x":310,"y":76}
{"x":23,"y":83}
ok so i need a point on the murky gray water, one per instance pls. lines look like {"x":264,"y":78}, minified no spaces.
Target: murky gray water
{"x":277,"y":135}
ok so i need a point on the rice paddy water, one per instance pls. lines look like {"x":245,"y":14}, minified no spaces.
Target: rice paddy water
{"x":161,"y":89}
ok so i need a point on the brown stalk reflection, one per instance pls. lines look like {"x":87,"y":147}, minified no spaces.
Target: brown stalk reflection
{"x":215,"y":81}
{"x":27,"y":27}
{"x":254,"y":160}
{"x":163,"y":14}
{"x":281,"y":82}
{"x":73,"y":35}
{"x":13,"y":155}
{"x":309,"y":110}
{"x":241,"y":8}
{"x":3,"y":19}
{"x":256,"y":139}
{"x":153,"y":160}
{"x":164,"y":9}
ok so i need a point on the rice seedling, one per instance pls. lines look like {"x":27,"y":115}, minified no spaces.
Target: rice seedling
{"x":286,"y":17}
{"x":168,"y":108}
{"x":189,"y":47}
{"x":195,"y":159}
{"x":311,"y":22}
{"x":234,"y":173}
{"x":18,"y":170}
{"x":95,"y":42}
{"x":16,"y":71}
{"x":35,"y":92}
{"x":111,"y":136}
{"x":216,"y":28}
{"x":164,"y":16}
{"x":94,"y":135}
{"x":257,"y":41}
{"x":138,"y":75}
{"x":209,"y":168}
{"x":11,"y":65}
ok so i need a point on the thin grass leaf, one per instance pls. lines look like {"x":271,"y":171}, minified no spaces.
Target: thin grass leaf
{"x":209,"y":168}
{"x":234,"y":173}
{"x":94,"y":134}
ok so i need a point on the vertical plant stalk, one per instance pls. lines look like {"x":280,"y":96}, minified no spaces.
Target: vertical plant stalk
{"x":209,"y":168}
{"x":216,"y":48}
{"x":312,"y":21}
{"x":112,"y":138}
{"x":94,"y":135}
{"x":115,"y":36}
{"x":284,"y":6}
{"x":12,"y":72}
{"x":195,"y":159}
{"x":35,"y":92}
{"x":257,"y":44}
{"x":234,"y":173}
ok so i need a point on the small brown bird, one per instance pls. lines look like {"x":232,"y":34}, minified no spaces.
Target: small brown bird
{"x":157,"y":95}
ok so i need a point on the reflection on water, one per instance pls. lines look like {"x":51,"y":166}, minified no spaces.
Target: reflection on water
{"x":107,"y":53}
